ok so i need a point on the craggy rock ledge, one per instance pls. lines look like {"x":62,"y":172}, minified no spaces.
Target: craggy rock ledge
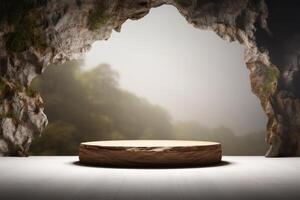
{"x":37,"y":33}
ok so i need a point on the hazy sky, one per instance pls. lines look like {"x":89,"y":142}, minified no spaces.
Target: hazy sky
{"x":193,"y":73}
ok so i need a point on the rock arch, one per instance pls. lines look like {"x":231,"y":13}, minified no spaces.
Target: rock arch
{"x":37,"y":33}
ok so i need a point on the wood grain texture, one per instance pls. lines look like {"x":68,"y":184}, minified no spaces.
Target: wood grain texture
{"x":150,"y":153}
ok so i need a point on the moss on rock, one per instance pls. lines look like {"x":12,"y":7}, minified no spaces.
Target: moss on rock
{"x":3,"y":89}
{"x":30,"y":92}
{"x":97,"y":18}
{"x":271,"y":77}
{"x":25,"y":32}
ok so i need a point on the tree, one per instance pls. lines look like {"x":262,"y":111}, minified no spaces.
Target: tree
{"x":90,"y":105}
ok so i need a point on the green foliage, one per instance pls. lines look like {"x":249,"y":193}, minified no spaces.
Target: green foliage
{"x":95,"y":106}
{"x":58,"y":139}
{"x":271,"y":76}
{"x":25,"y":33}
{"x":24,"y":36}
{"x":97,"y":18}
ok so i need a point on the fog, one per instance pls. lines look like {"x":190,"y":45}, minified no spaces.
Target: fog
{"x":192,"y":73}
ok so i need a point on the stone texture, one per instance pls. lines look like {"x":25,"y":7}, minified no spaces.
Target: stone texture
{"x":37,"y":33}
{"x":150,"y":153}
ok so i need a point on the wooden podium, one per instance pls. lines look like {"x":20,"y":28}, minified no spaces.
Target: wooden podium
{"x":150,"y":153}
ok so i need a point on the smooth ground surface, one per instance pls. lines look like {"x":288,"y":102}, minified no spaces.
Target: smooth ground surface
{"x":237,"y":178}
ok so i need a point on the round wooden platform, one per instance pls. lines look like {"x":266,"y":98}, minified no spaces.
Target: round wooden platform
{"x":150,"y":153}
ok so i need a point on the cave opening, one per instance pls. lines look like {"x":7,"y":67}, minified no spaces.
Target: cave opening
{"x":157,"y":76}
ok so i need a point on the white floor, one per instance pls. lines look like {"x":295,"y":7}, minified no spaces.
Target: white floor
{"x":237,"y":178}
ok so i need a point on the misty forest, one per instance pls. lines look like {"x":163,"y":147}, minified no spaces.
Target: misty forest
{"x":90,"y":105}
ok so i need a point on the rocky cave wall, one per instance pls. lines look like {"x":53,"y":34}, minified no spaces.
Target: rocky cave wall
{"x":37,"y":33}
